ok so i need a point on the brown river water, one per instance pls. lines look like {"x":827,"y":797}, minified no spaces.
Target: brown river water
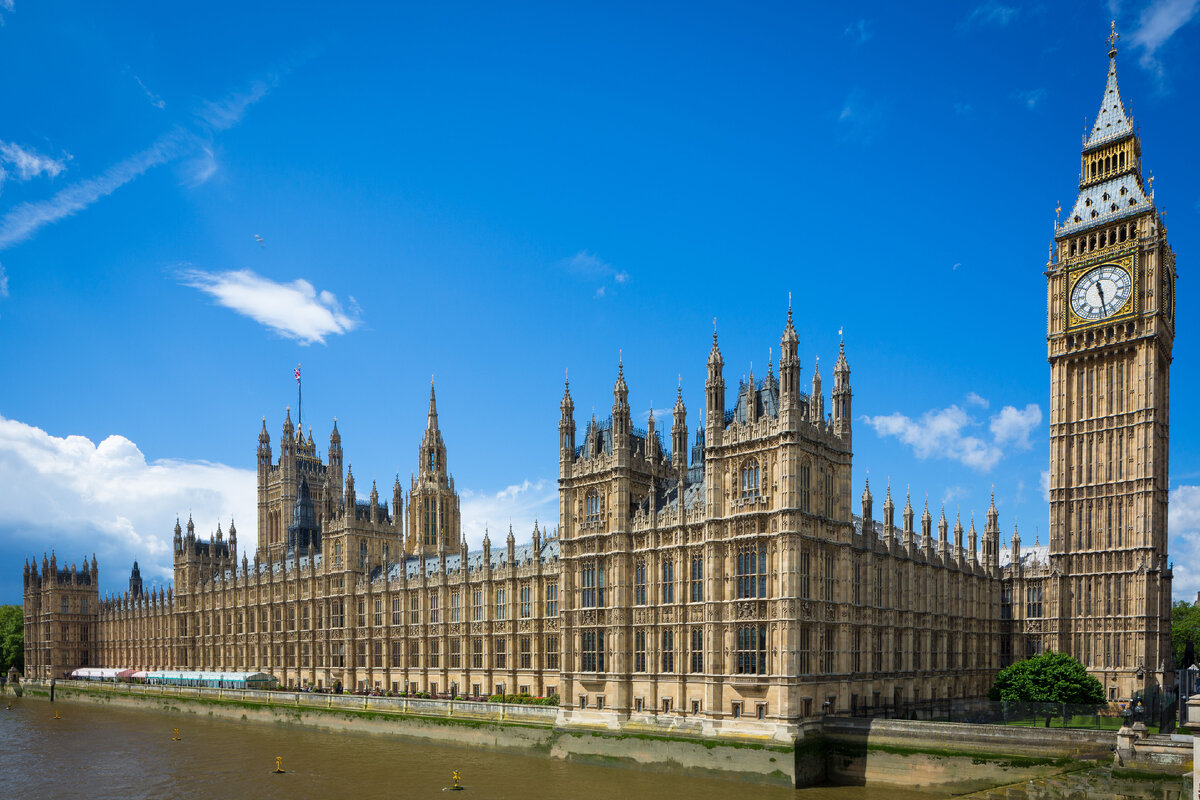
{"x":98,"y":752}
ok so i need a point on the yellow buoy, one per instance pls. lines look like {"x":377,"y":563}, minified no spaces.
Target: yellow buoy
{"x":278,"y":765}
{"x":56,"y":716}
{"x":175,"y":736}
{"x":457,"y":786}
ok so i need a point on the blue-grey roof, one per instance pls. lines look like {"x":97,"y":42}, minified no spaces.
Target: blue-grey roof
{"x":1106,"y":202}
{"x":523,"y":554}
{"x":1112,"y":122}
{"x":765,"y":397}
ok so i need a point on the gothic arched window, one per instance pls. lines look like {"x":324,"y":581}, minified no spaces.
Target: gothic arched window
{"x":750,"y":479}
{"x":592,"y":507}
{"x":362,"y":553}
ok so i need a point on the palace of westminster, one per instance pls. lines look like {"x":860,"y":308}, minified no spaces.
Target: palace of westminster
{"x":726,"y":577}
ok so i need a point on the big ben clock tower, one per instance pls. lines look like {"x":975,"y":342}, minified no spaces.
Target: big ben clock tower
{"x":1110,"y":327}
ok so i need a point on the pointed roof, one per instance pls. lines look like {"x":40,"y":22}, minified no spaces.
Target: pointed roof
{"x":433,"y":423}
{"x":1112,"y":122}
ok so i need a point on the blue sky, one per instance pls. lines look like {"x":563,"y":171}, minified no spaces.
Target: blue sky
{"x":491,"y":195}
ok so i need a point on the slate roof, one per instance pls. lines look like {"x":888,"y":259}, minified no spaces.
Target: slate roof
{"x":1106,"y":202}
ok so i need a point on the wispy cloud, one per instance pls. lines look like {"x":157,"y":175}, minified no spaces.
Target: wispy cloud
{"x":591,"y":267}
{"x":520,"y":504}
{"x":105,"y":497}
{"x":975,"y":399}
{"x":990,"y":13}
{"x":1157,"y":23}
{"x":25,"y":163}
{"x":26,"y":219}
{"x":295,"y":310}
{"x":860,"y":117}
{"x":223,"y":114}
{"x":1031,"y":98}
{"x":155,"y":100}
{"x":6,"y":6}
{"x":860,"y":31}
{"x":953,"y":433}
{"x":1184,"y":524}
{"x":3,"y":282}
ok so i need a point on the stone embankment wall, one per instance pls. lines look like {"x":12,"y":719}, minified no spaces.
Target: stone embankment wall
{"x":943,"y":757}
{"x":495,"y":725}
{"x":956,"y":757}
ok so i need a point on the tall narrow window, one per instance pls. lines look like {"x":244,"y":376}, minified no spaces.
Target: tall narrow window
{"x":805,"y":575}
{"x":639,"y":650}
{"x":828,"y":578}
{"x":752,"y":571}
{"x":501,"y":605}
{"x":668,"y":584}
{"x":552,"y":600}
{"x":805,"y":487}
{"x":639,"y":583}
{"x":592,"y":507}
{"x":697,"y":578}
{"x":697,"y":650}
{"x":592,"y":585}
{"x":750,"y":479}
{"x":526,"y":604}
{"x":592,"y":650}
{"x":752,"y":649}
{"x":668,"y":651}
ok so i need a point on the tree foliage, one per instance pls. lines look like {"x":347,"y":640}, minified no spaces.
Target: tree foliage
{"x":1185,"y":628}
{"x":1047,"y":678}
{"x":12,"y":638}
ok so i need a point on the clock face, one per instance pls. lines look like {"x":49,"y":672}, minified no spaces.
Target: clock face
{"x":1101,"y":293}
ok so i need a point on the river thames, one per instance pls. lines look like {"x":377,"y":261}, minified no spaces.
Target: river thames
{"x":99,"y":752}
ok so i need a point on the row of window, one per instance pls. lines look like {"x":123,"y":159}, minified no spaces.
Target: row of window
{"x":401,"y":655}
{"x":334,"y":612}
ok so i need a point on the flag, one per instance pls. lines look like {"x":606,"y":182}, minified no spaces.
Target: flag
{"x":297,"y":373}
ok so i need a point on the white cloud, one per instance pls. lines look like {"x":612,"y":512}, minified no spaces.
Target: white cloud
{"x":295,"y":310}
{"x":860,"y":117}
{"x":78,"y":497}
{"x":223,"y":114}
{"x":1031,"y":98}
{"x":1045,"y":484}
{"x":1014,"y":425}
{"x":5,"y":5}
{"x":990,"y":13}
{"x":975,"y":400}
{"x":1157,"y":23}
{"x":155,"y":100}
{"x":593,"y":268}
{"x":26,"y":219}
{"x":1184,"y":524}
{"x":3,"y":282}
{"x":859,"y":30}
{"x":201,"y":168}
{"x":949,"y":433}
{"x":520,"y":505}
{"x":25,"y":163}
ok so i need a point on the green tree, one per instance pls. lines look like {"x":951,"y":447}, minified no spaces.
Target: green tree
{"x":1185,"y":627}
{"x":1047,"y":678}
{"x":12,"y":638}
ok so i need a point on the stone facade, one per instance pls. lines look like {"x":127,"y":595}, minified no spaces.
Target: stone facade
{"x":727,"y":579}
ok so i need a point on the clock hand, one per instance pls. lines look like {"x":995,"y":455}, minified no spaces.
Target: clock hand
{"x":1100,"y":289}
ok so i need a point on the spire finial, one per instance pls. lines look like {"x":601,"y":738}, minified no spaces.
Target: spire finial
{"x":1113,"y":37}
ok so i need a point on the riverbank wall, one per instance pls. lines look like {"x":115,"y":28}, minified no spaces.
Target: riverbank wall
{"x":513,"y":727}
{"x":940,"y":757}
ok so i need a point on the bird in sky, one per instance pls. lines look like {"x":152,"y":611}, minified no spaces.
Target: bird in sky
{"x":260,"y":241}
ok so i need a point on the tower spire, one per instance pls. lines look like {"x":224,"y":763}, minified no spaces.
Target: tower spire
{"x":433,"y":418}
